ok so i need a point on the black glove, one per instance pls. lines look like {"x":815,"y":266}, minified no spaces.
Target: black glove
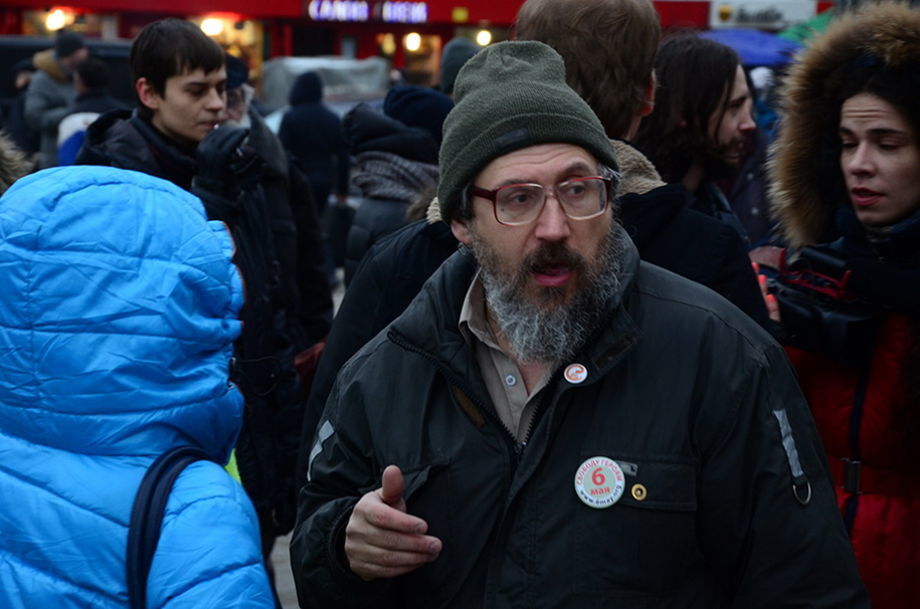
{"x":221,"y":157}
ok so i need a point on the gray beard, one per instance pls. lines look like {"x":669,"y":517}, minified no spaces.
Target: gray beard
{"x":549,"y":330}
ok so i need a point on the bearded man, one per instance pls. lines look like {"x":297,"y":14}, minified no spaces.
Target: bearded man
{"x":553,"y":423}
{"x":701,"y":128}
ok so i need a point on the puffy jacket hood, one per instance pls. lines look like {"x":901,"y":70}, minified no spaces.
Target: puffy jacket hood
{"x":366,"y":130}
{"x":308,"y":89}
{"x":801,"y":200}
{"x":117,"y":315}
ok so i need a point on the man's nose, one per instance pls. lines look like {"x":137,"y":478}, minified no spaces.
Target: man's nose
{"x":747,"y":122}
{"x":216,"y":100}
{"x":552,"y":223}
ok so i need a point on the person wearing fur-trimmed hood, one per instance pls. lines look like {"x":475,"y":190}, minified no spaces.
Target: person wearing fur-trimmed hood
{"x":846,"y":193}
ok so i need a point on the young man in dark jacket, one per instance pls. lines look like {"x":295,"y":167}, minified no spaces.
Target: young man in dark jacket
{"x":553,"y":423}
{"x":176,"y":134}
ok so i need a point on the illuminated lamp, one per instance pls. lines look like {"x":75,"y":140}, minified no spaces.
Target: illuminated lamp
{"x":413,"y":42}
{"x":212,"y":26}
{"x":483,"y":38}
{"x":55,"y":20}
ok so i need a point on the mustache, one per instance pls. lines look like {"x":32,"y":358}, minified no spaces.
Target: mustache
{"x":554,"y":254}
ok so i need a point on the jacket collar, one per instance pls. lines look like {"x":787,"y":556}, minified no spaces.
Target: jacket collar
{"x":123,"y":139}
{"x":639,"y":175}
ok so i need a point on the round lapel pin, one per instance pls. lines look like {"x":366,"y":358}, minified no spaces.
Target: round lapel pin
{"x":575,"y":373}
{"x":599,"y":482}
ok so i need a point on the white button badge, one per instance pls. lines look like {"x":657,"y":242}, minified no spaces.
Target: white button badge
{"x":599,"y":482}
{"x":575,"y":373}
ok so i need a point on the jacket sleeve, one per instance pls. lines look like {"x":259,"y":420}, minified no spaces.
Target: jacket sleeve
{"x":341,"y":468}
{"x":775,"y":539}
{"x":209,"y":554}
{"x":736,"y":280}
{"x":42,"y":112}
{"x":315,"y":310}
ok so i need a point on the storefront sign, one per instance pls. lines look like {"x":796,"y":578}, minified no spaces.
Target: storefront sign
{"x":774,"y":15}
{"x":403,"y":12}
{"x":338,"y":10}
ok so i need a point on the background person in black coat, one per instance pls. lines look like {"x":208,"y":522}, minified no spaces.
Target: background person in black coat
{"x":396,"y":156}
{"x":91,"y":81}
{"x":312,"y":133}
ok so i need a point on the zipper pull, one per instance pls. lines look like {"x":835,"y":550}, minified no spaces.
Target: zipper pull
{"x":519,"y":450}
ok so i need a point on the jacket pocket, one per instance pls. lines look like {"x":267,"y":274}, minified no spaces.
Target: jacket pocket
{"x":417,"y":477}
{"x":428,"y":495}
{"x":645,"y":543}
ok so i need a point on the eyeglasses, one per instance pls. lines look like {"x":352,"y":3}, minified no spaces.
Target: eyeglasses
{"x":519,"y":204}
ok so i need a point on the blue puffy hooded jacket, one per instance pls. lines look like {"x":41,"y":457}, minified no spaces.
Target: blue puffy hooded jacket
{"x":118,"y":309}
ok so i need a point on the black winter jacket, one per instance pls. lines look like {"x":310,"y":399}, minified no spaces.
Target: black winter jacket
{"x":696,"y":246}
{"x":389,"y":277}
{"x":395,"y":165}
{"x":727,"y":501}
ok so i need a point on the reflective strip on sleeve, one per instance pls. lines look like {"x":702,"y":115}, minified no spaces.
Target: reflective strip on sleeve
{"x":792,"y":455}
{"x":801,"y":487}
{"x":325,"y":432}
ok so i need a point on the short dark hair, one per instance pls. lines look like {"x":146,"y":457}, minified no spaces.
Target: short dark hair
{"x":170,"y":47}
{"x":93,"y":73}
{"x":608,"y":47}
{"x":694,"y":77}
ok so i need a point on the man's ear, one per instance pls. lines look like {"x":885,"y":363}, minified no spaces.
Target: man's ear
{"x":147,"y":94}
{"x":650,"y":89}
{"x":461,"y":231}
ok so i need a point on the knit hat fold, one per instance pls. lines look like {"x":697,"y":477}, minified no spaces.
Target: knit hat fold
{"x":510,"y":96}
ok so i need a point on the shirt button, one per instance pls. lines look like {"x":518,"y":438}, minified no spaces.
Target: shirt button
{"x":510,"y":380}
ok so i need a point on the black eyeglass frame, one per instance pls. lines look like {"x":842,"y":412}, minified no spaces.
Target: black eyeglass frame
{"x":492,"y":195}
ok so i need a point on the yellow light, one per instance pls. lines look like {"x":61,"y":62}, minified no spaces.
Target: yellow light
{"x":55,"y":20}
{"x":388,"y":44}
{"x":212,"y":26}
{"x":413,"y":42}
{"x":483,"y":38}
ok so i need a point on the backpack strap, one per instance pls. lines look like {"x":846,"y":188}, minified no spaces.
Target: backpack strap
{"x":147,"y":516}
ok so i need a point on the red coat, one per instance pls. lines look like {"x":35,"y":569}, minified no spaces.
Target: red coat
{"x":859,"y":411}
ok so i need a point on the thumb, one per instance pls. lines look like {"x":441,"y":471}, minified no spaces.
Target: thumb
{"x":393,"y":486}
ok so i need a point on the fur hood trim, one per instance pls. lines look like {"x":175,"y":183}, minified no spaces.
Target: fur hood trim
{"x":46,"y":62}
{"x":803,"y":206}
{"x":13,"y":163}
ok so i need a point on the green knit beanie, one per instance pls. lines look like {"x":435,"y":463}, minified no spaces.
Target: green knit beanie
{"x":509,"y":96}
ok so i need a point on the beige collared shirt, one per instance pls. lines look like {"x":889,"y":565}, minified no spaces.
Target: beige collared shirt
{"x":504,"y":381}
